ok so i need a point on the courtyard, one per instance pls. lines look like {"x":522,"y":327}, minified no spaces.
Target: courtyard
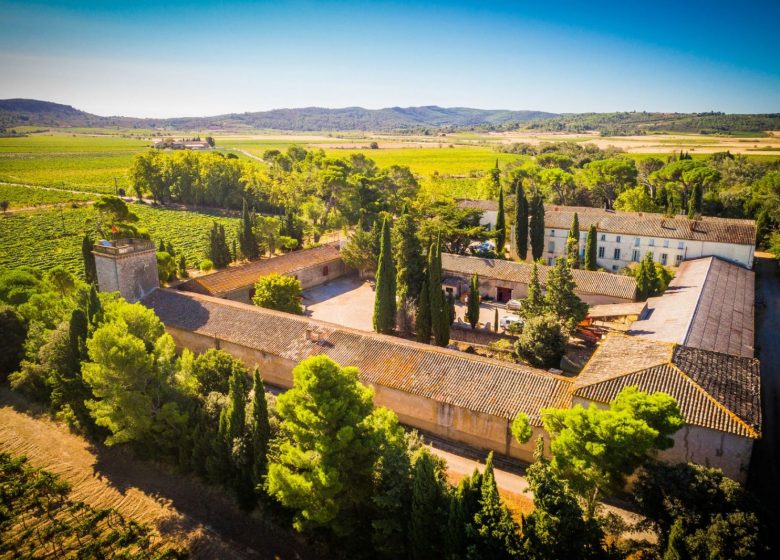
{"x":349,"y":301}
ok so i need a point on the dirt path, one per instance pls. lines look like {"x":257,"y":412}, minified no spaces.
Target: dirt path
{"x":182,"y":509}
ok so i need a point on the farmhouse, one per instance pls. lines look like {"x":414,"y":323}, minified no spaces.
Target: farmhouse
{"x":505,"y":280}
{"x":626,"y":237}
{"x":311,"y":267}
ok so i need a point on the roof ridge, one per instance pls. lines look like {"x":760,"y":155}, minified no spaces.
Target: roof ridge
{"x":751,"y":431}
{"x":689,"y":326}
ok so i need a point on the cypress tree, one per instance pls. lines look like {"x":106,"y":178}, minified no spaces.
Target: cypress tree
{"x":460,"y":522}
{"x":233,"y":416}
{"x":161,"y":248}
{"x":573,"y":243}
{"x":90,"y":270}
{"x":591,"y":253}
{"x":384,"y":302}
{"x":537,"y":227}
{"x":69,"y":388}
{"x":219,"y":254}
{"x":182,"y":266}
{"x":409,"y":260}
{"x":422,"y":320}
{"x":521,"y":223}
{"x":644,"y":283}
{"x":496,"y":533}
{"x":246,"y":238}
{"x":261,"y":430}
{"x":451,"y":308}
{"x":426,"y":528}
{"x":501,"y":226}
{"x":533,"y":304}
{"x":675,"y":546}
{"x":440,"y":326}
{"x":169,"y":249}
{"x":94,"y":308}
{"x":495,"y":320}
{"x":652,"y":274}
{"x":472,"y":309}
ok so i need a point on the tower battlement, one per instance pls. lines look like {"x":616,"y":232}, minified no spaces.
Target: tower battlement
{"x":127,"y":266}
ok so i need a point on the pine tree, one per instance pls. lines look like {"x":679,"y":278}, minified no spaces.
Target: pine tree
{"x":675,"y":546}
{"x":428,"y":499}
{"x":533,"y":304}
{"x":440,"y":326}
{"x":496,"y":532}
{"x":500,"y":226}
{"x":591,"y":252}
{"x":537,"y":227}
{"x":385,"y":302}
{"x":521,"y":223}
{"x":261,"y":430}
{"x":573,"y":243}
{"x":472,"y":308}
{"x":246,"y":237}
{"x":560,"y":298}
{"x":409,"y":260}
{"x":422,"y":320}
{"x":90,"y":270}
{"x":464,"y":504}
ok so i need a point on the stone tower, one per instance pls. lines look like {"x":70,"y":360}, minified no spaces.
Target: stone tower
{"x":127,"y":266}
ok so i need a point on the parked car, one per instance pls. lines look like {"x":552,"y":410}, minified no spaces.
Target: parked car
{"x":514,"y":305}
{"x":511,"y":322}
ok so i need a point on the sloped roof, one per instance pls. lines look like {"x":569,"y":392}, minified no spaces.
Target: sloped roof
{"x":587,"y":281}
{"x":722,"y":230}
{"x":241,"y":276}
{"x":709,"y":305}
{"x":448,"y":376}
{"x":714,"y":390}
{"x":477,"y":203}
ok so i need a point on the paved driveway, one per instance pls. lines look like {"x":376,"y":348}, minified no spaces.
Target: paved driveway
{"x":346,"y":301}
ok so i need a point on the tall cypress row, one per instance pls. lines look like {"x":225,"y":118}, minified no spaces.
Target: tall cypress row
{"x":500,"y":226}
{"x":521,"y":223}
{"x":472,"y":310}
{"x":246,"y":238}
{"x":573,"y":243}
{"x":422,"y":320}
{"x":591,"y":254}
{"x":261,"y":430}
{"x":537,"y":227}
{"x":384,"y":303}
{"x":440,"y":325}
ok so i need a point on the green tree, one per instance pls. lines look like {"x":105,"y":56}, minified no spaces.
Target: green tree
{"x":115,"y":220}
{"x":246,"y":236}
{"x":537,"y":227}
{"x":464,"y":505}
{"x":94,"y":308}
{"x":423,"y":319}
{"x":521,"y":223}
{"x":218,"y":252}
{"x":90,"y":270}
{"x":496,"y":534}
{"x":636,"y":199}
{"x":559,"y":297}
{"x":500,"y":226}
{"x":676,"y":549}
{"x":440,"y":325}
{"x":62,"y":280}
{"x":556,"y":527}
{"x":533,"y":304}
{"x":607,"y":178}
{"x":472,"y":310}
{"x":542,"y":341}
{"x":591,"y":251}
{"x":359,"y":251}
{"x":181,"y":267}
{"x":596,"y":449}
{"x":166,"y":267}
{"x":260,"y":429}
{"x":573,"y":243}
{"x":324,"y":466}
{"x":68,"y":387}
{"x":14,"y":330}
{"x":409,"y":260}
{"x":429,"y":500}
{"x":521,"y":428}
{"x":213,"y":370}
{"x":236,"y":441}
{"x":385,"y":300}
{"x":282,"y":293}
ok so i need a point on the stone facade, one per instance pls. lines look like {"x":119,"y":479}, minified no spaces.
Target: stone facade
{"x":127,"y":266}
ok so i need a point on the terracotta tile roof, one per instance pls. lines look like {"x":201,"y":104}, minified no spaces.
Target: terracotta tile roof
{"x":714,"y":390}
{"x":709,"y":304}
{"x":588,"y":282}
{"x":241,"y":276}
{"x":448,"y":376}
{"x":479,"y":204}
{"x":722,"y":230}
{"x":617,"y":309}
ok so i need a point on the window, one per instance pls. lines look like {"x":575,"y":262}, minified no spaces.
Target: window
{"x":677,"y":260}
{"x":681,"y":245}
{"x":617,"y":239}
{"x":601,"y":252}
{"x":616,"y":255}
{"x":652,"y":242}
{"x":325,"y":270}
{"x":551,"y":247}
{"x":664,"y":258}
{"x":666,"y":243}
{"x":636,"y":242}
{"x":603,"y":237}
{"x":550,"y":261}
{"x":635,"y":256}
{"x":552,"y":233}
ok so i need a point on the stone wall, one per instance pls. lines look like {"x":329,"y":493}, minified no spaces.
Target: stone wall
{"x":133,"y":275}
{"x":462,"y":332}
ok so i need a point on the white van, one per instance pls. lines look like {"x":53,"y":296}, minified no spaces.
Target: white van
{"x":510,"y":320}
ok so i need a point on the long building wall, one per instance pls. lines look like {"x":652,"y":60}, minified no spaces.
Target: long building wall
{"x":455,"y":423}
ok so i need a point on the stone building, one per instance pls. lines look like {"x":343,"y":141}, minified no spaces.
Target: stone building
{"x":626,"y":237}
{"x":504,"y":280}
{"x":310,"y":266}
{"x":127,"y":266}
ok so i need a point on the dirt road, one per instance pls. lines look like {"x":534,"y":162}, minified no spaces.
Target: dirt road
{"x":182,"y":509}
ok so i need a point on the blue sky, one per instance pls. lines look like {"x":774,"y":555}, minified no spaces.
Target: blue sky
{"x":176,"y":58}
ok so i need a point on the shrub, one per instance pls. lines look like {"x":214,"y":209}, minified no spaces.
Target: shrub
{"x":282,"y":293}
{"x":542,"y":342}
{"x":206,"y":265}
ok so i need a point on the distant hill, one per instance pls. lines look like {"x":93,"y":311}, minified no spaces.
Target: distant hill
{"x":17,"y":112}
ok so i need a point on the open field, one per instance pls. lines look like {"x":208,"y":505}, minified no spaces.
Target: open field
{"x":51,"y":236}
{"x":21,"y":196}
